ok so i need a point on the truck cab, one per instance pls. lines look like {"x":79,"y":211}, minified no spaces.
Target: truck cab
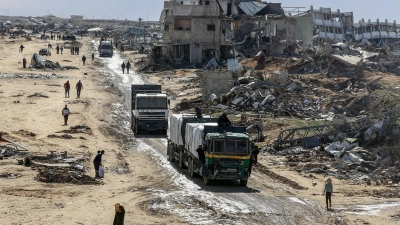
{"x":150,"y":109}
{"x":227,"y":154}
{"x":106,"y":49}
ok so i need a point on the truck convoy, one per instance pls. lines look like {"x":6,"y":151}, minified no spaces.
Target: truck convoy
{"x":150,"y":109}
{"x":106,"y":49}
{"x":227,"y":148}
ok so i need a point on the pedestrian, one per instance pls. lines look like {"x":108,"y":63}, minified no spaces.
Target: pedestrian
{"x":77,"y":50}
{"x":97,"y":162}
{"x":72,"y":50}
{"x":24,"y":62}
{"x":58,"y":49}
{"x":79,"y":87}
{"x":199,"y":114}
{"x":223,"y":120}
{"x":119,"y":215}
{"x":328,"y":189}
{"x":202,"y":159}
{"x":253,"y":158}
{"x":65,"y":112}
{"x":61,"y":49}
{"x":67,"y":87}
{"x":92,"y":56}
{"x":128,"y":65}
{"x":123,"y":67}
{"x":83,"y":59}
{"x":21,"y":48}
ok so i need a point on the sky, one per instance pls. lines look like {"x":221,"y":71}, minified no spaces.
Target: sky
{"x":151,"y":9}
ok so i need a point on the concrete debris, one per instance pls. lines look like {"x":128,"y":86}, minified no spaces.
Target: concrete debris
{"x":39,"y":61}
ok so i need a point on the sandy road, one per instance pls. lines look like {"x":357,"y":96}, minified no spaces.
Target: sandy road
{"x":263,"y":202}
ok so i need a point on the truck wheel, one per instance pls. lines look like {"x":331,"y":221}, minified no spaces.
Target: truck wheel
{"x":243,"y":182}
{"x":168,"y":150}
{"x":206,"y":180}
{"x":137,"y":130}
{"x":181,"y":164}
{"x":172,"y":154}
{"x":191,"y":169}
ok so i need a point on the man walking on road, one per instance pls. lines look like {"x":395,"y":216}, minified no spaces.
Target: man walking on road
{"x":97,"y":162}
{"x":92,"y":56}
{"x":202,"y":159}
{"x":123,"y":67}
{"x":24,"y":62}
{"x":67,"y":87}
{"x":65,"y":112}
{"x":83,"y":59}
{"x":21,"y":48}
{"x":128,"y":65}
{"x":79,"y":87}
{"x":328,"y":192}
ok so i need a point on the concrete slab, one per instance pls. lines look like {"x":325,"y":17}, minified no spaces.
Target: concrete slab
{"x":350,"y":61}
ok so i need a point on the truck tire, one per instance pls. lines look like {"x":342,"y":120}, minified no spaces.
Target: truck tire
{"x":171,"y":154}
{"x":243,"y":182}
{"x":137,"y":130}
{"x":181,"y":164}
{"x":206,"y":180}
{"x":168,"y":150}
{"x":191,"y":168}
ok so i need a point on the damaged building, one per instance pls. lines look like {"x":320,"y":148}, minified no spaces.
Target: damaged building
{"x":196,"y":31}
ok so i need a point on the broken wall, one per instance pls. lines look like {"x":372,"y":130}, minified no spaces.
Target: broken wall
{"x":215,"y":82}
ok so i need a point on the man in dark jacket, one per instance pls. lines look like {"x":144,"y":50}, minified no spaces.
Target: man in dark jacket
{"x":97,"y":162}
{"x":223,"y":120}
{"x":67,"y":87}
{"x":79,"y":87}
{"x":128,"y":65}
{"x":83,"y":59}
{"x":123,"y":67}
{"x":202,"y":159}
{"x":253,"y":158}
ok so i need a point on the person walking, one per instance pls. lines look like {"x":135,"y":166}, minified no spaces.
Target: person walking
{"x":202,"y":159}
{"x":61,"y":49}
{"x":328,"y":189}
{"x":128,"y":65}
{"x":77,"y":50}
{"x":97,"y":162}
{"x":21,"y":48}
{"x":92,"y":56}
{"x":67,"y":87}
{"x":58,"y":49}
{"x":65,"y":112}
{"x":83,"y":59}
{"x":253,"y":158}
{"x":79,"y":87}
{"x":24,"y":62}
{"x":123,"y":67}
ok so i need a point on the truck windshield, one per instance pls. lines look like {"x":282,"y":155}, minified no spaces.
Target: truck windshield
{"x":106,"y":47}
{"x":230,"y":146}
{"x":152,"y":103}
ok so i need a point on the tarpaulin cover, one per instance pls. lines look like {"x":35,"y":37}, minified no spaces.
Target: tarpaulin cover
{"x":194,"y":135}
{"x":175,"y":128}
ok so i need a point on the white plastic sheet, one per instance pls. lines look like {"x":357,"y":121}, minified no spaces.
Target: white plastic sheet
{"x":101,"y":171}
{"x":175,"y":128}
{"x":194,"y":135}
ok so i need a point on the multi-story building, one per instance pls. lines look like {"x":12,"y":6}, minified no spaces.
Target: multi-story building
{"x":379,"y":32}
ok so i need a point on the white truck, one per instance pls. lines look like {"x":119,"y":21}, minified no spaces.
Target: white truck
{"x":227,"y":148}
{"x":106,"y":49}
{"x":150,"y":109}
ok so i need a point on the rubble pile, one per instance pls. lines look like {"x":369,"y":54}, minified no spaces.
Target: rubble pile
{"x":53,"y":175}
{"x":346,"y":160}
{"x":77,"y":129}
{"x":7,"y":151}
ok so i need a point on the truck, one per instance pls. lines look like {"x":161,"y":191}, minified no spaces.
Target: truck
{"x":150,"y":109}
{"x":227,"y":149}
{"x":106,"y":49}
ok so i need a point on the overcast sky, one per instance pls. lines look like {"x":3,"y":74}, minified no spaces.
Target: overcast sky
{"x":133,"y":9}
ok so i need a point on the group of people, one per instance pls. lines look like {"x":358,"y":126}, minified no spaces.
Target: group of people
{"x":58,"y":49}
{"x":74,"y":50}
{"x":126,"y":65}
{"x":67,"y":87}
{"x":54,"y":37}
